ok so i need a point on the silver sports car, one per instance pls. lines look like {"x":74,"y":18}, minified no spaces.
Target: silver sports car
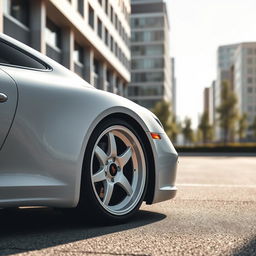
{"x":65,"y":144}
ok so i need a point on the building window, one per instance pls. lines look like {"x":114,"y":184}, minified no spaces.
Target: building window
{"x":96,"y":73}
{"x":249,"y":89}
{"x":148,"y":77}
{"x":249,"y":80}
{"x":116,"y":22}
{"x":99,"y":28}
{"x":148,"y":22}
{"x":119,"y":27}
{"x":19,"y":9}
{"x":249,"y":51}
{"x":78,"y":54}
{"x":80,"y":7}
{"x":106,"y":7}
{"x":149,"y":63}
{"x":111,"y":44}
{"x":108,"y":80}
{"x":147,"y":36}
{"x":149,"y":50}
{"x":250,"y":71}
{"x":91,"y":16}
{"x":149,"y":90}
{"x":106,"y":37}
{"x":111,"y":14}
{"x":96,"y":66}
{"x":53,"y":34}
{"x":116,"y":49}
{"x":249,"y":61}
{"x":250,"y":108}
{"x":119,"y":53}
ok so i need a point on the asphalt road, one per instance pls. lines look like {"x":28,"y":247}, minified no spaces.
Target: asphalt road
{"x":214,"y":213}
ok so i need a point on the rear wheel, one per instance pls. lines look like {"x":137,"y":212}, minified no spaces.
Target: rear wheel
{"x":115,"y":172}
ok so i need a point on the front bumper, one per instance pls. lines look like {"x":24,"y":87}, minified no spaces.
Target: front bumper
{"x":166,"y":160}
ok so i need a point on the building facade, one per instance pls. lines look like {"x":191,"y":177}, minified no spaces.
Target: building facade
{"x":225,"y":60}
{"x":237,"y":66}
{"x":208,"y":103}
{"x":150,"y":61}
{"x":173,"y":86}
{"x":212,"y":117}
{"x":89,"y":37}
{"x":245,"y":82}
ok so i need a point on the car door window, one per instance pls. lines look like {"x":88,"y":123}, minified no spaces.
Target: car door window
{"x":13,"y":56}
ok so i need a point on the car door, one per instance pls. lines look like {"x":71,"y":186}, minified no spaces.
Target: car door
{"x":8,"y":103}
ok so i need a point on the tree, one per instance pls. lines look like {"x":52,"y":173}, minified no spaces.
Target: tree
{"x":242,"y":126}
{"x":198,"y":136}
{"x":187,"y":131}
{"x":162,"y":111}
{"x":168,"y":120}
{"x":227,"y":111}
{"x":175,"y":128}
{"x":205,"y":128}
{"x":253,"y":127}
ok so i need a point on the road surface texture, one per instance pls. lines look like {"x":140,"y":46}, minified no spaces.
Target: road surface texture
{"x":214,"y":213}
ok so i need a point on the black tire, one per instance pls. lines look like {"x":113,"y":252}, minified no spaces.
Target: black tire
{"x":89,"y":203}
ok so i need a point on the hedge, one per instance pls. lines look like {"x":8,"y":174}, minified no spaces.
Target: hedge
{"x":213,"y":148}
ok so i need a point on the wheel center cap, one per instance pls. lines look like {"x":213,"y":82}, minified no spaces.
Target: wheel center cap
{"x":113,"y":169}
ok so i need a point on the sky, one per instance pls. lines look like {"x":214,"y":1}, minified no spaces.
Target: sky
{"x":197,"y":28}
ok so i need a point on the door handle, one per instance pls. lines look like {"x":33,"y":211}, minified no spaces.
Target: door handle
{"x":3,"y":98}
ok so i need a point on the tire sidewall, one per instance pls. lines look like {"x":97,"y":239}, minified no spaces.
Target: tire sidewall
{"x":88,"y":200}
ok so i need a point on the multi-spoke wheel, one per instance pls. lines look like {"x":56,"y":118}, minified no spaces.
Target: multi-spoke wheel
{"x":115,"y":171}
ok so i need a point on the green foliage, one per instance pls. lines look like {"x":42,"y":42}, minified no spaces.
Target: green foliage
{"x":187,"y":131}
{"x":198,"y":136}
{"x":227,"y":111}
{"x":253,"y":127}
{"x":175,"y":129}
{"x":162,"y":110}
{"x":242,"y":126}
{"x":217,"y":148}
{"x":205,"y":128}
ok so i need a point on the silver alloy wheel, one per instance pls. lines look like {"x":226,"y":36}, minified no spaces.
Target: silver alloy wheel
{"x":118,"y":170}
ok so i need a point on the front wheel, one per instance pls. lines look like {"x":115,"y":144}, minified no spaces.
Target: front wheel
{"x":115,"y":172}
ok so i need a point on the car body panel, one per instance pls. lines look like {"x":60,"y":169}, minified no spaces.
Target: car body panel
{"x":8,"y":108}
{"x":42,"y":159}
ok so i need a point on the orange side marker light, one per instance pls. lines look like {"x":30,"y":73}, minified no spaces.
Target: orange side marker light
{"x":155,"y":136}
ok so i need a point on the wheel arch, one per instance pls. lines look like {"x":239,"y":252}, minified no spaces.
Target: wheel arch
{"x":149,"y":195}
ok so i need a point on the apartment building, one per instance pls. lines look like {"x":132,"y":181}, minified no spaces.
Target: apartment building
{"x":225,"y":60}
{"x":237,"y":66}
{"x":173,"y":86}
{"x":208,"y":103}
{"x":89,"y":37}
{"x":150,"y":61}
{"x":245,"y":81}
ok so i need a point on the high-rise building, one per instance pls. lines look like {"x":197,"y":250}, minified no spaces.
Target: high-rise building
{"x":207,"y":100}
{"x":237,"y":66}
{"x":212,"y":119}
{"x":150,"y":63}
{"x":173,"y":86}
{"x":225,"y":60}
{"x":89,"y":37}
{"x":245,"y":81}
{"x":208,"y":103}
